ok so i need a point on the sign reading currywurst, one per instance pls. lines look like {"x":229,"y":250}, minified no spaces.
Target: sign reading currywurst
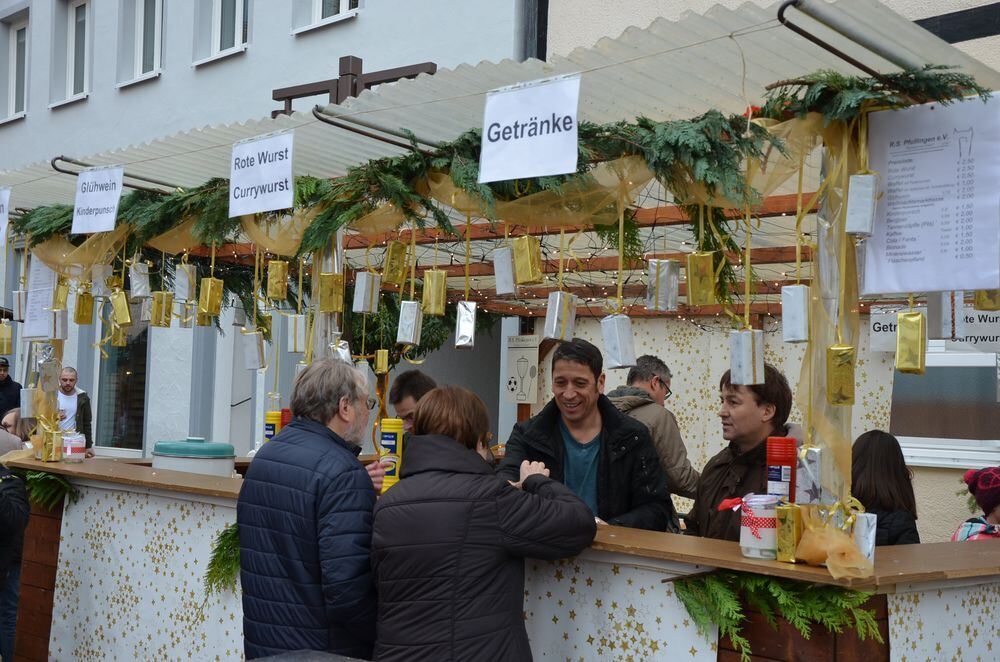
{"x":261,"y":175}
{"x":530,"y":130}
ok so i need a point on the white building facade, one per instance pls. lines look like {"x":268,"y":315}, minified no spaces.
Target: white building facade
{"x":80,"y":77}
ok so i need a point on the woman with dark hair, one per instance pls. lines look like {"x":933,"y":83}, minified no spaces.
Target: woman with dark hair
{"x":449,"y":540}
{"x":883,"y":484}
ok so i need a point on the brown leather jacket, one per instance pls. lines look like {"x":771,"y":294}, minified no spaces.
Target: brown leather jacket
{"x":729,"y":474}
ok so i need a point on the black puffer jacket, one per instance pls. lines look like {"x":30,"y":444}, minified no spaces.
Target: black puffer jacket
{"x":448,"y":546}
{"x":14,"y":511}
{"x":631,"y":486}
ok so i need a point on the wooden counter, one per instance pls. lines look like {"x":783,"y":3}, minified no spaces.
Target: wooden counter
{"x":901,"y":564}
{"x":905,"y":564}
{"x":127,"y":472}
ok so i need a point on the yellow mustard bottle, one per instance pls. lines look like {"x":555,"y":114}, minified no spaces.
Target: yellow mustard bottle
{"x":390,"y":450}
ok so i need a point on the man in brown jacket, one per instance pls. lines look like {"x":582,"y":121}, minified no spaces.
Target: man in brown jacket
{"x":644,"y":398}
{"x":750,"y":414}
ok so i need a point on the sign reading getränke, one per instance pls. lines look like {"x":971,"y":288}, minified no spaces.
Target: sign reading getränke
{"x":98,"y":191}
{"x":261,"y":175}
{"x":530,"y":130}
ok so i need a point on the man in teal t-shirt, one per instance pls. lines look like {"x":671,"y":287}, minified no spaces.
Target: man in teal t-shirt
{"x":605,"y":457}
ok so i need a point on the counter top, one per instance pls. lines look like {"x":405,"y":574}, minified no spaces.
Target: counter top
{"x":127,"y":472}
{"x":903,"y":564}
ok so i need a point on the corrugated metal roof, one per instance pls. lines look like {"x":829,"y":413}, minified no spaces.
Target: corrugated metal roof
{"x":670,"y":69}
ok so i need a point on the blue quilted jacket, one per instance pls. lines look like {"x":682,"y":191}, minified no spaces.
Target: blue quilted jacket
{"x":305,"y":526}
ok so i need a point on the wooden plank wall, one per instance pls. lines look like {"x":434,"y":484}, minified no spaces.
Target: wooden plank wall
{"x":787,"y":645}
{"x":38,"y":580}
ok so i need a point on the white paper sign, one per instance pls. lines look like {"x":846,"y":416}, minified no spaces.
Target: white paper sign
{"x":522,"y":369}
{"x":982,"y":332}
{"x":41,"y":286}
{"x":98,"y":191}
{"x":529,"y":130}
{"x":4,"y":213}
{"x":261,"y":175}
{"x":937,"y":220}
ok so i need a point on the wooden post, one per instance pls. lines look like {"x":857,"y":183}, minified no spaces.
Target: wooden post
{"x":38,"y":582}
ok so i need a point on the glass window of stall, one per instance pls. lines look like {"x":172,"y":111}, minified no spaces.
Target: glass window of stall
{"x":119,"y":421}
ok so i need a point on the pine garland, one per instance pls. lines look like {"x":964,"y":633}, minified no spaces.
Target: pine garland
{"x":717,"y":599}
{"x":842,"y":98}
{"x":48,"y":490}
{"x":223,"y":567}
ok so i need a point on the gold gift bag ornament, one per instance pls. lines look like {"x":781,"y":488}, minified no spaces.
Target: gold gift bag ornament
{"x":119,"y":336}
{"x":435,"y":293}
{"x":6,"y":339}
{"x":986,"y":300}
{"x":381,"y":361}
{"x":51,"y":446}
{"x":163,"y":309}
{"x":203,"y":319}
{"x":701,"y":278}
{"x":840,"y":374}
{"x":61,"y":296}
{"x":277,"y":280}
{"x":331,"y":293}
{"x":789,"y":531}
{"x":911,"y":342}
{"x":527,"y":260}
{"x":210,"y":296}
{"x":83,"y":311}
{"x":121,"y":312}
{"x":394,"y":269}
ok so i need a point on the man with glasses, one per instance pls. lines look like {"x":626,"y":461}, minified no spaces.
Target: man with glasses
{"x":644,"y":398}
{"x":305,"y":523}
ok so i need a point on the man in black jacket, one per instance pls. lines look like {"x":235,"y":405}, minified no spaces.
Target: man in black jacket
{"x":605,"y":457}
{"x":13,"y":520}
{"x":10,"y":391}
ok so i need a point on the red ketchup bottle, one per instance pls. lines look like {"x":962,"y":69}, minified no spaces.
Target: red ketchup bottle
{"x":782,"y":458}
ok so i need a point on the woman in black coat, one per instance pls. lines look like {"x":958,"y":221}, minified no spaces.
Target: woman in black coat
{"x":883,"y":484}
{"x":450,"y":539}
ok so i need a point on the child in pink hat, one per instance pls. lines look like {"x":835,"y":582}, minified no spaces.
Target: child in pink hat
{"x":984,"y":485}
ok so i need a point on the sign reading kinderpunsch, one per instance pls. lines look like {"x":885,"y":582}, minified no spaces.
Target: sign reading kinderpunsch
{"x":98,"y":191}
{"x":261,"y":175}
{"x":529,"y":130}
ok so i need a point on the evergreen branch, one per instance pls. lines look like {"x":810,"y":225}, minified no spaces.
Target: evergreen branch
{"x":223,"y":567}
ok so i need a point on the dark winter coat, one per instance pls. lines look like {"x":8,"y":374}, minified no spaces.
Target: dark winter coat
{"x":84,"y":417}
{"x":305,"y":517}
{"x":631,"y":486}
{"x":448,"y":547}
{"x":727,"y":475}
{"x":10,"y":395}
{"x":14,"y":511}
{"x":895,"y":527}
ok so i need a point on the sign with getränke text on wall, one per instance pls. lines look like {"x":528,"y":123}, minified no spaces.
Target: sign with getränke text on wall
{"x":530,"y":130}
{"x":98,"y":191}
{"x":982,"y":331}
{"x":261,"y":175}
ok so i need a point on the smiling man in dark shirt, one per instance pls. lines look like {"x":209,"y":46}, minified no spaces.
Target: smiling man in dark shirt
{"x":605,"y":457}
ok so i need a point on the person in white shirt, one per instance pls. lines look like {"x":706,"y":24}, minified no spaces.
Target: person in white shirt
{"x":74,"y":407}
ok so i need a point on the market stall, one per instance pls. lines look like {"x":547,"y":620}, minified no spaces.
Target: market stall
{"x":380,"y":265}
{"x":146,"y":537}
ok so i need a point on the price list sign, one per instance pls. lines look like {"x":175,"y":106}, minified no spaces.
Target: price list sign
{"x":937,"y":220}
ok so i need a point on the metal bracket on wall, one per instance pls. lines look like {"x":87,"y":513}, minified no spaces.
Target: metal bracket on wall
{"x":148,"y":180}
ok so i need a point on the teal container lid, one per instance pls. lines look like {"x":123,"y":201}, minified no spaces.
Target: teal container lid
{"x":194,"y":447}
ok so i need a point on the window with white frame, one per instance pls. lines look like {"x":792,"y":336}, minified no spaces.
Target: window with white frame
{"x":230,"y":21}
{"x":324,"y":9}
{"x":148,"y":35}
{"x":77,"y":48}
{"x":17,"y":71}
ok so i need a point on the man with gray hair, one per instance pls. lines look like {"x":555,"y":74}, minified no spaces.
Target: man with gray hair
{"x":644,"y":398}
{"x":305,"y":523}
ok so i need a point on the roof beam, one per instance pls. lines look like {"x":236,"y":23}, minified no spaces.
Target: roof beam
{"x":774,"y":205}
